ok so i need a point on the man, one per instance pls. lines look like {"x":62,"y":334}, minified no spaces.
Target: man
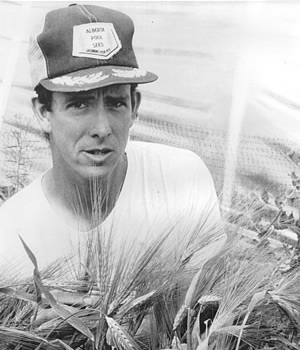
{"x":85,"y":74}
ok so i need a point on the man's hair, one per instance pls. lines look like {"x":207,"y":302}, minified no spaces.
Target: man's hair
{"x":45,"y":97}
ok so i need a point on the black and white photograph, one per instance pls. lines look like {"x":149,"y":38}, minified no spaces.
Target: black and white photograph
{"x":149,"y":175}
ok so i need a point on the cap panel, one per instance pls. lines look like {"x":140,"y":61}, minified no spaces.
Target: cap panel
{"x":56,"y":40}
{"x":38,"y":65}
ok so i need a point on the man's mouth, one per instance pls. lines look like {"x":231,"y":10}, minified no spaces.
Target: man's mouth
{"x":98,"y":154}
{"x":98,"y":151}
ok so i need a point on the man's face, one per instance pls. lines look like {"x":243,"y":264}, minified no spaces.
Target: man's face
{"x":89,"y":129}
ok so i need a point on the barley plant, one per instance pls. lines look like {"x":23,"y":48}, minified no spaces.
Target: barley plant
{"x":245,"y":296}
{"x":20,"y":149}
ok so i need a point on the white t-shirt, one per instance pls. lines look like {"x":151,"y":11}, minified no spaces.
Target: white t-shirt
{"x":164,"y":187}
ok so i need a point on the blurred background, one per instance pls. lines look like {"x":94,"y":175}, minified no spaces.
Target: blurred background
{"x":228,"y":88}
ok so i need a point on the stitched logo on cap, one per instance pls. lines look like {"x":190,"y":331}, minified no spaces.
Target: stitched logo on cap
{"x":95,"y":40}
{"x":81,"y":80}
{"x":134,"y":73}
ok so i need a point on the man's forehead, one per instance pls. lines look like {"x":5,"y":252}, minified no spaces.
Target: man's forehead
{"x":118,"y":88}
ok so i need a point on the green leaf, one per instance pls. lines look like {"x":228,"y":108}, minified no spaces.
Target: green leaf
{"x":63,"y":344}
{"x":256,"y":298}
{"x":59,"y":309}
{"x":18,"y":294}
{"x":203,"y":345}
{"x":196,"y":340}
{"x":29,"y":253}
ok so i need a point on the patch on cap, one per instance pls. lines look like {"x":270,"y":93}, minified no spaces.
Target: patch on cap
{"x":132,"y":73}
{"x":80,"y":80}
{"x":95,"y":40}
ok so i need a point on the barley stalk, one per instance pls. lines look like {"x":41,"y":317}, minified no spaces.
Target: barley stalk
{"x":181,"y":314}
{"x":121,"y":339}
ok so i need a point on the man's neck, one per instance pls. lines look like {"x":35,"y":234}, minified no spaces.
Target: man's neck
{"x":84,"y":203}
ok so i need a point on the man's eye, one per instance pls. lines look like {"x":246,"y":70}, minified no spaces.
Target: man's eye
{"x":77,"y":105}
{"x":115,"y":103}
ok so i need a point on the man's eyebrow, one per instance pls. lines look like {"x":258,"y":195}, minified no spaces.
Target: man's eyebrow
{"x":116,"y":94}
{"x":80,"y":95}
{"x":116,"y":97}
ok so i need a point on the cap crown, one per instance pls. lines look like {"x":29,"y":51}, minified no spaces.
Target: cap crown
{"x":51,"y":47}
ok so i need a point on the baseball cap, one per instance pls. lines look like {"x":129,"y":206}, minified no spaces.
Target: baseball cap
{"x":83,"y":47}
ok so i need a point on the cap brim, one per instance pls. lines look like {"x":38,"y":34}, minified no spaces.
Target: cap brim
{"x":97,"y":77}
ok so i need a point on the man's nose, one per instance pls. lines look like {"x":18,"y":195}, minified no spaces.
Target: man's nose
{"x":100,"y":123}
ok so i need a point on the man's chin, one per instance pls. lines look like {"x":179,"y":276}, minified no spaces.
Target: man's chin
{"x":93,"y":173}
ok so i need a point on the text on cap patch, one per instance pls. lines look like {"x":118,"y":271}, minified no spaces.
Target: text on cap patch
{"x":95,"y":40}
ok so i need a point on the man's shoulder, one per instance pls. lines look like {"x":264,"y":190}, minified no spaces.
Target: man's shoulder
{"x":164,"y":152}
{"x":20,"y":202}
{"x":176,"y":167}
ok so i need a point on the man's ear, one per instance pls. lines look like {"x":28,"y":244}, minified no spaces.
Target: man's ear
{"x":42,"y":114}
{"x":137,"y":97}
